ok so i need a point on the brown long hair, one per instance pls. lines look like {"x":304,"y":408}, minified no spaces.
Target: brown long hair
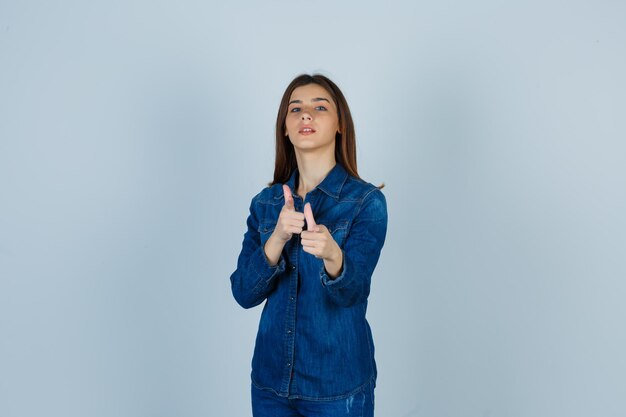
{"x":345,"y":142}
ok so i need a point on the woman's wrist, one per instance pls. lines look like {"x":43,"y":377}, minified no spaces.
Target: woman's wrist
{"x":334,"y":264}
{"x":272,"y":249}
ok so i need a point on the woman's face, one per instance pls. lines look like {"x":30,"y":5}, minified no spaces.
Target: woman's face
{"x":311,"y":106}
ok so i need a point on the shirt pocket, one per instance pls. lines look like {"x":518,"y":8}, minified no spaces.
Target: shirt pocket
{"x":338,"y":231}
{"x":265,"y":229}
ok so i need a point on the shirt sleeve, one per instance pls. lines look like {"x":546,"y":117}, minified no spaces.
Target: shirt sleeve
{"x":360,"y":253}
{"x":253,"y":280}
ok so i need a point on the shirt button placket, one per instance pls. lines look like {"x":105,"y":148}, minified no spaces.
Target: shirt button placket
{"x":290,"y":339}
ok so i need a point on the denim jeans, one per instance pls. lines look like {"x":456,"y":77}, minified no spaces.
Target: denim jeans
{"x":266,"y":403}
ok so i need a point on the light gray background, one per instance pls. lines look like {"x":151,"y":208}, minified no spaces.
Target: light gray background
{"x":134,"y":134}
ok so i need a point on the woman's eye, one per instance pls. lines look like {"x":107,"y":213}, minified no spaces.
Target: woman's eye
{"x":297,"y":109}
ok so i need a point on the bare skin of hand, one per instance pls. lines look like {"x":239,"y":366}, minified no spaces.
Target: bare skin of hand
{"x":318,"y":241}
{"x":289,"y":222}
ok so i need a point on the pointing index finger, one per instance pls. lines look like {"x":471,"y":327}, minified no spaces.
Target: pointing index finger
{"x":310,"y":220}
{"x":288,"y":197}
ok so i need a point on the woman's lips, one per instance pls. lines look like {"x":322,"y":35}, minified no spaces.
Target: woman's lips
{"x":307,"y":131}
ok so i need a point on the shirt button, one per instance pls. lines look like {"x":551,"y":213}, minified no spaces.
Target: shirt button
{"x":288,"y":365}
{"x":292,"y":267}
{"x":291,"y":298}
{"x":288,"y":331}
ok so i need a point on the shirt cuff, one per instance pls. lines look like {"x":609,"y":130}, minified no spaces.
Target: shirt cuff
{"x":341,"y":280}
{"x":264,"y":270}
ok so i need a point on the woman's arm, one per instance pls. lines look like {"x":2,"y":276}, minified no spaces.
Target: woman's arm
{"x":360,"y":253}
{"x":273,"y":249}
{"x":253,"y":280}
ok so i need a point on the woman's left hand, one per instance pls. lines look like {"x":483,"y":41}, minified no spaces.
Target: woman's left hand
{"x":317,"y":239}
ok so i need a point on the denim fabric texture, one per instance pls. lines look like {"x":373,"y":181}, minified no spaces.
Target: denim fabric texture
{"x":313,"y":340}
{"x":267,"y":404}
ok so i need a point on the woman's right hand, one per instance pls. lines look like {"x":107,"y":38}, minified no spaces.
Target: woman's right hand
{"x":289,"y":220}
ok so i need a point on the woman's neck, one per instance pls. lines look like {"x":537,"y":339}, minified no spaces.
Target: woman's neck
{"x":311,"y":171}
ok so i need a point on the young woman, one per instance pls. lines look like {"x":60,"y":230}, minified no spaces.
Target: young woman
{"x":314,"y":237}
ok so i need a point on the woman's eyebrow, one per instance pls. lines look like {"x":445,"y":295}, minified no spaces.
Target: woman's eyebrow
{"x":313,"y":99}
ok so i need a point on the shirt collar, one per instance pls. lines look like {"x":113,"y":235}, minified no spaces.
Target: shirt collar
{"x":331,"y":184}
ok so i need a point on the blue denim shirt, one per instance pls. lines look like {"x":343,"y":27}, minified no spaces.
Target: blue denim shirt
{"x":313,"y":340}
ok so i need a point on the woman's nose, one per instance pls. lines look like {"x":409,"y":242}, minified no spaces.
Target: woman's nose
{"x":305,"y":116}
